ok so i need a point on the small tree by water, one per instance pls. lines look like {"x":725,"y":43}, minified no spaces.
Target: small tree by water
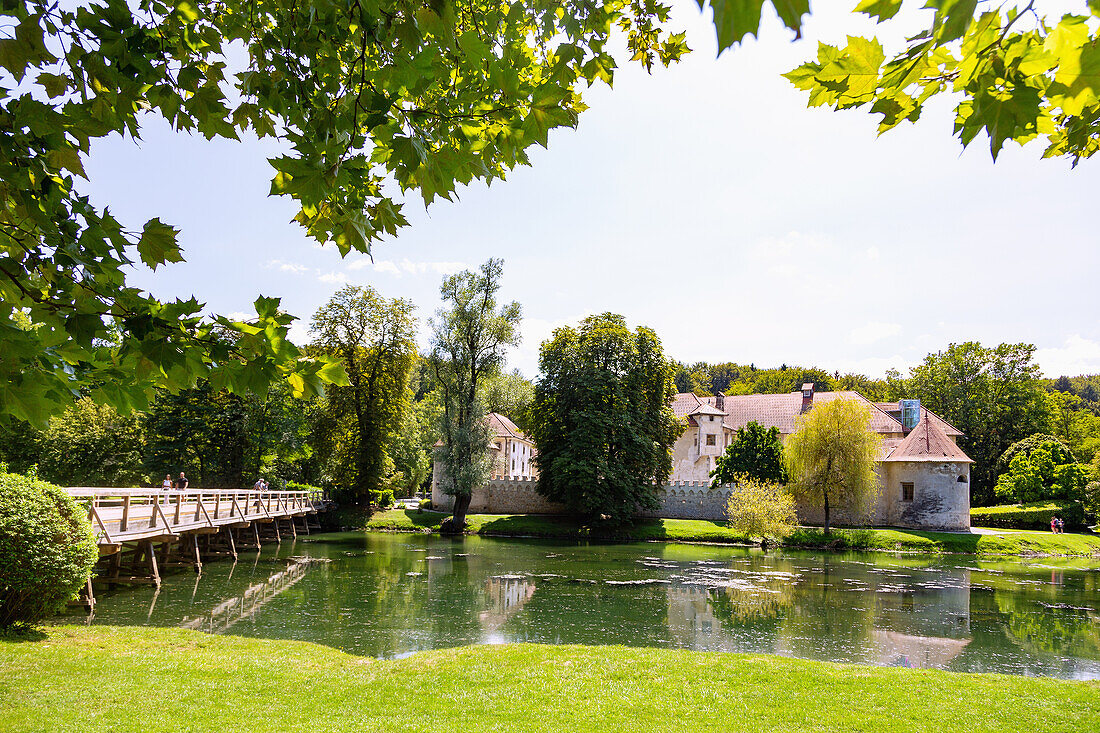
{"x":759,"y":508}
{"x":831,"y":458}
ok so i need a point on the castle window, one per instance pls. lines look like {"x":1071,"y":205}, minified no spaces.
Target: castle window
{"x":710,"y":438}
{"x":961,"y":479}
{"x":513,"y":465}
{"x":906,"y":491}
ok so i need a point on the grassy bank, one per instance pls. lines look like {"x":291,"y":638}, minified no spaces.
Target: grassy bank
{"x":150,"y":680}
{"x":1005,"y":542}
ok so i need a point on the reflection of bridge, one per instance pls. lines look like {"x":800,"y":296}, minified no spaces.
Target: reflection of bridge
{"x":140,"y":524}
{"x":225,"y":614}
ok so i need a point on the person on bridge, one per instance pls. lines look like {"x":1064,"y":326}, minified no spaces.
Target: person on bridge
{"x":181,"y":482}
{"x":260,"y":484}
{"x":167,"y":482}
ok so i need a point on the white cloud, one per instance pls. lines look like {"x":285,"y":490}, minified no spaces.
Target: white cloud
{"x":299,"y":332}
{"x":873,"y":332}
{"x":293,"y":267}
{"x":1079,"y":356}
{"x":336,"y":278}
{"x":873,"y":254}
{"x":792,"y":253}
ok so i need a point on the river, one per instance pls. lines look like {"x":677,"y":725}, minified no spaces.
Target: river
{"x":390,"y":595}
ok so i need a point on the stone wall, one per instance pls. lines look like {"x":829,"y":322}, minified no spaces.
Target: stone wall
{"x":680,"y":500}
{"x":940,"y":500}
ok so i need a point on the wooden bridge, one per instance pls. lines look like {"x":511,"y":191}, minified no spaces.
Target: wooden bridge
{"x":152,"y":529}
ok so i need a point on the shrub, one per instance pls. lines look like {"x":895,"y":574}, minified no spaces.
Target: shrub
{"x":1028,"y":516}
{"x":1092,"y":498}
{"x":383,"y":498}
{"x":761,"y":509}
{"x":1043,"y":469}
{"x":47,"y":549}
{"x":425,"y":504}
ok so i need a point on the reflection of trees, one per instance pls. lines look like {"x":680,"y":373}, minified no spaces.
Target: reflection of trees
{"x":741,"y":606}
{"x":1037,"y":628}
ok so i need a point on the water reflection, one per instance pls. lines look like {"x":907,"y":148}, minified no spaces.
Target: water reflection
{"x":388,"y":596}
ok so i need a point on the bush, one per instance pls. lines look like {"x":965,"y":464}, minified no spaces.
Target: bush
{"x":1042,"y":469}
{"x":425,"y":504}
{"x":47,"y":549}
{"x":383,"y":498}
{"x":1092,"y":499}
{"x":1029,"y":516}
{"x":761,"y":509}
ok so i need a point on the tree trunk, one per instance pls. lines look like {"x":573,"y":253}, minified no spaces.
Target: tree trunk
{"x":826,"y":512}
{"x":457,"y":522}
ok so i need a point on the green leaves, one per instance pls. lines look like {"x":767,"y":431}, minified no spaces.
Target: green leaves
{"x":26,"y":48}
{"x":735,"y":19}
{"x":1020,"y":77}
{"x":157,"y":244}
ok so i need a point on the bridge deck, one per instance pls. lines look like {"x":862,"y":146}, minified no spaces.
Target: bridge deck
{"x":131,"y":515}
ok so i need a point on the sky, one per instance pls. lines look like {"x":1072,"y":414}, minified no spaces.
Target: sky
{"x":705,"y":201}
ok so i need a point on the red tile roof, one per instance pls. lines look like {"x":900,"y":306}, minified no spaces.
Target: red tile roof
{"x":779,"y":410}
{"x":502,"y":427}
{"x":928,"y":442}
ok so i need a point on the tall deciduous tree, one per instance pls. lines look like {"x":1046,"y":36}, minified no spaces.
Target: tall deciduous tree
{"x":469,"y":335}
{"x":831,"y":458}
{"x":602,"y":420}
{"x":991,"y":394}
{"x":92,"y":445}
{"x":755,"y":452}
{"x":375,"y":338}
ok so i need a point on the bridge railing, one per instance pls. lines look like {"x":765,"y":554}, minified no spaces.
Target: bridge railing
{"x":125,"y":514}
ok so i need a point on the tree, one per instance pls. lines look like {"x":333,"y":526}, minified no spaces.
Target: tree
{"x":755,"y":452}
{"x":991,"y":394}
{"x":367,"y":98}
{"x":1040,"y":468}
{"x":602,"y":420}
{"x":375,"y":338}
{"x":761,"y":508}
{"x":511,"y":395}
{"x":831,"y":457}
{"x":199,"y":431}
{"x":92,"y":445}
{"x":469,"y":336}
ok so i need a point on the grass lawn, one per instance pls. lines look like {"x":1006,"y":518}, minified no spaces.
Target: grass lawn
{"x":1005,"y":542}
{"x":146,"y":680}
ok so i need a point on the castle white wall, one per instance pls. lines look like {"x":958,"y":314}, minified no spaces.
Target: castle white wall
{"x":940,"y":501}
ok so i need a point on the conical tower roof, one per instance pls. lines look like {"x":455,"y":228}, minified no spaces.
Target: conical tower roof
{"x":928,"y":442}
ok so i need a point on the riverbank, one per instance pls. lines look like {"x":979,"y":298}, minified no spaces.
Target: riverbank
{"x":1004,"y":542}
{"x":77,"y":679}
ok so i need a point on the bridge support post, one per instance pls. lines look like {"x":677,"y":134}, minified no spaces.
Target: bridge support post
{"x":154,"y":571}
{"x":229,"y":539}
{"x":198,"y":557}
{"x":256,"y":535}
{"x":293,"y":529}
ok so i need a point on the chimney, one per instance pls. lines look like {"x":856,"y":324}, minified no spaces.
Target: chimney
{"x":720,"y":401}
{"x":807,"y":397}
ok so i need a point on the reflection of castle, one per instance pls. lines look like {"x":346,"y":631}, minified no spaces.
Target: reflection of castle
{"x":506,"y":594}
{"x":895,"y":619}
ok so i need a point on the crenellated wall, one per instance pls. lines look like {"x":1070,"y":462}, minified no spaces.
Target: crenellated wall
{"x":940,"y":501}
{"x":680,"y":500}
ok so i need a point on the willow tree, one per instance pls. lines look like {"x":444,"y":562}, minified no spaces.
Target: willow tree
{"x":831,"y":458}
{"x":601,"y":418}
{"x":375,"y":339}
{"x":469,"y":336}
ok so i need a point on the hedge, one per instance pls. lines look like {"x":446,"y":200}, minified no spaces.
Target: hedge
{"x":1029,"y":516}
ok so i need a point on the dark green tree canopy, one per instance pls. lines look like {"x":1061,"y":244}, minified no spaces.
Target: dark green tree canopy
{"x":1041,"y":467}
{"x":601,"y":418}
{"x":755,"y":452}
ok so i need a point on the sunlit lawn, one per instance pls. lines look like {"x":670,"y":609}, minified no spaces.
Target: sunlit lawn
{"x":147,"y":680}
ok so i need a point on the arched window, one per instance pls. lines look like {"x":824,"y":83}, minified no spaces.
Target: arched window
{"x":961,"y":479}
